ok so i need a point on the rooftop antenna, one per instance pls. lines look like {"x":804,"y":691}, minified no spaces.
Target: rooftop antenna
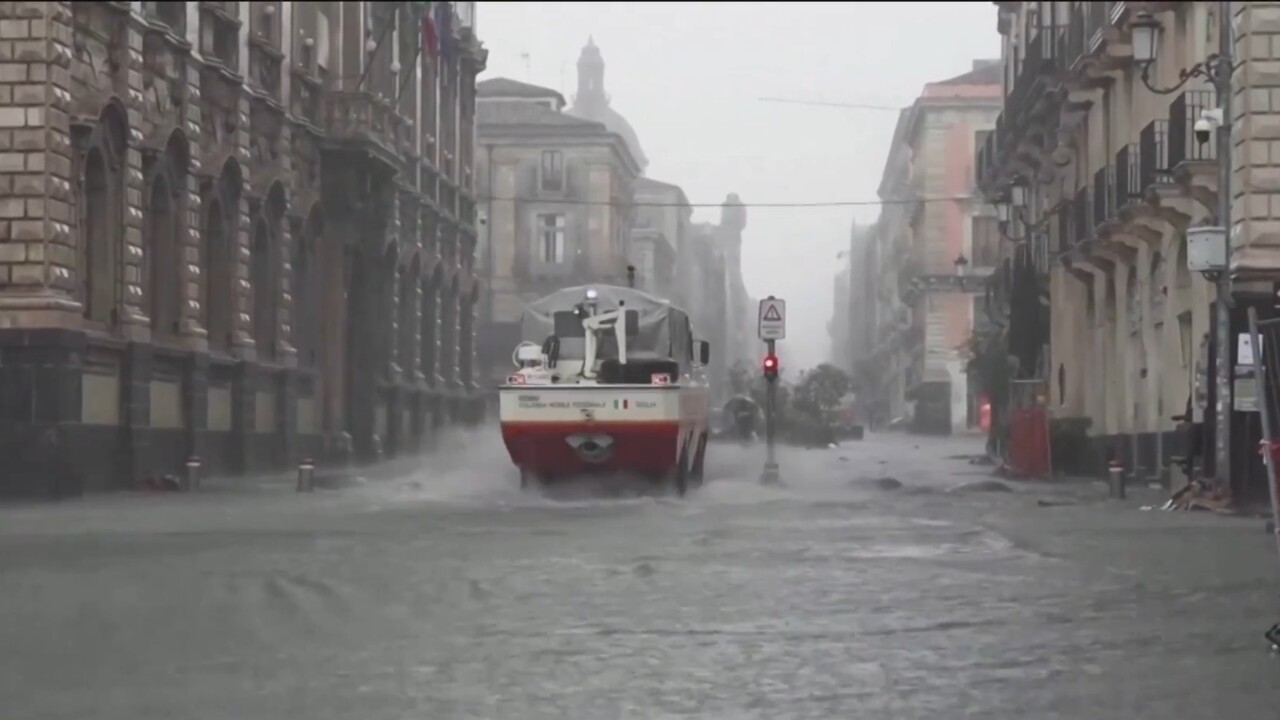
{"x":528,"y":67}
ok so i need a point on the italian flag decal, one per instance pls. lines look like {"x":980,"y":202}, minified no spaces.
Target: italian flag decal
{"x":621,"y":404}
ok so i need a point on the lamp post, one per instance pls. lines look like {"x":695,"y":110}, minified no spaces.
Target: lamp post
{"x":1217,"y":68}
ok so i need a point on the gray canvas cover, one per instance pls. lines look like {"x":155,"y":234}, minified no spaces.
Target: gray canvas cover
{"x":659,"y":319}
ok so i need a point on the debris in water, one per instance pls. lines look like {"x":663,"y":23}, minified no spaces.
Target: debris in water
{"x":982,"y":486}
{"x":883,"y":483}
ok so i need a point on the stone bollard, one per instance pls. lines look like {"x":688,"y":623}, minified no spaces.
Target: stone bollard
{"x":306,"y":475}
{"x":191,"y":480}
{"x":345,"y":444}
{"x":1116,"y":481}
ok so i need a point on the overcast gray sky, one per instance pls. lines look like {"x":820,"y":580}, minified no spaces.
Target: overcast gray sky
{"x":689,"y":75}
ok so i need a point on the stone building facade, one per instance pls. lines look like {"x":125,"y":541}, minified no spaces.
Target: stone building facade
{"x":581,"y":169}
{"x":1110,"y":177}
{"x":660,"y":247}
{"x":241,"y":232}
{"x":559,"y":193}
{"x":930,"y":256}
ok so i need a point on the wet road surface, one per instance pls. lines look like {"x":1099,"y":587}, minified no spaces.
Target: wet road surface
{"x":450,"y":594}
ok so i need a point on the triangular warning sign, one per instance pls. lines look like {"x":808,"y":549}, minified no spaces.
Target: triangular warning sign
{"x":771,"y":313}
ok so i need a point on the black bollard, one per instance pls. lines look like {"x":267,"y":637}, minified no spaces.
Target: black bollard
{"x":306,"y":475}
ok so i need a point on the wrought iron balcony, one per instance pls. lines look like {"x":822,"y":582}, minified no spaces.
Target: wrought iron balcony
{"x":1128,"y":181}
{"x":986,"y":160}
{"x":1104,"y":196}
{"x":1039,"y":66}
{"x":306,"y":93}
{"x":1082,"y":215}
{"x":1153,"y":151}
{"x":1083,"y":35}
{"x":1067,"y":236}
{"x":1184,"y":111}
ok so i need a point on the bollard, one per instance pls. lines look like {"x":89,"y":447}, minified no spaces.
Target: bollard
{"x":1115,"y":472}
{"x":306,"y":475}
{"x":345,"y":444}
{"x":191,"y":481}
{"x":771,"y":475}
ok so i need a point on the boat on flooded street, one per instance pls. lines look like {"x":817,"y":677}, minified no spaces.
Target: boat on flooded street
{"x":608,"y":381}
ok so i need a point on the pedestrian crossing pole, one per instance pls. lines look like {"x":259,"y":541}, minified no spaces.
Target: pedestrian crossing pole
{"x":772,"y":327}
{"x":771,"y":474}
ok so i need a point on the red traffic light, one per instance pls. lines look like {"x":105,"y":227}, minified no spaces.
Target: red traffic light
{"x":771,"y":365}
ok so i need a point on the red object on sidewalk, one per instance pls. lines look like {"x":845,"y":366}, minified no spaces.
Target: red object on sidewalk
{"x":984,"y":415}
{"x":1029,"y":442}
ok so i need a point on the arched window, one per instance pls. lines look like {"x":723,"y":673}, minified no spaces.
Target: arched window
{"x":164,"y":239}
{"x":387,"y":315}
{"x":449,"y":332}
{"x":466,"y":335}
{"x":218,"y":253}
{"x":100,"y":241}
{"x":102,"y":217}
{"x":429,"y":322}
{"x":307,"y":303}
{"x":409,"y":327}
{"x":158,"y":255}
{"x":264,"y":275}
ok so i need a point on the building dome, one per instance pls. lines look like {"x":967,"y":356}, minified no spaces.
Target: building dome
{"x":592,"y":103}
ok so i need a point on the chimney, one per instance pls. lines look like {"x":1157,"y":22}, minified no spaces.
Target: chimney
{"x":980,"y":64}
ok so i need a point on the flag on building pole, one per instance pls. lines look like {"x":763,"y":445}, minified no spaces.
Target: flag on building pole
{"x":430,"y":36}
{"x":444,"y":33}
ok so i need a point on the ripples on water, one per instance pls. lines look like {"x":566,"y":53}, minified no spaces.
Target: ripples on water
{"x":450,"y":593}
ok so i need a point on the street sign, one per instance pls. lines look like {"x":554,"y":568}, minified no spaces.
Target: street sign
{"x":773,"y":319}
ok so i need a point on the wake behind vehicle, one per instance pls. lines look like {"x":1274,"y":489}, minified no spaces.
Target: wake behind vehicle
{"x":608,"y":381}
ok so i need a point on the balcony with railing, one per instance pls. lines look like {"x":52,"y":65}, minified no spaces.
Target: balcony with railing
{"x":1128,"y":181}
{"x":1153,"y":156}
{"x":1082,"y":216}
{"x":1066,"y":218}
{"x":1104,"y":197}
{"x":304,"y":103}
{"x":363,"y":118}
{"x":986,"y":158}
{"x":1085,"y":33}
{"x":1184,"y":111}
{"x":1039,"y":65}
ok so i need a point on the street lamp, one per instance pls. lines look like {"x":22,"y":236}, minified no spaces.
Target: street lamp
{"x":962,"y":264}
{"x":1215,"y":260}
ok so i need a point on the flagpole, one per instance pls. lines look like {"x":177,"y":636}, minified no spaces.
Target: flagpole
{"x":417,"y":55}
{"x":364,"y":74}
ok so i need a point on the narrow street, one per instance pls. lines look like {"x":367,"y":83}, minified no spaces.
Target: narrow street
{"x":454,"y":595}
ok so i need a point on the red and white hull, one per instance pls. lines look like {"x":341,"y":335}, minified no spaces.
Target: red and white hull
{"x":567,"y":430}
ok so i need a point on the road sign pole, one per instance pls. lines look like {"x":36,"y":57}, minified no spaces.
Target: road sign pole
{"x":771,"y":326}
{"x":771,"y":472}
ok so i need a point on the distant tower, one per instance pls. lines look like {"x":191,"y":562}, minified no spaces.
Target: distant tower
{"x":592,"y":102}
{"x":591,"y":97}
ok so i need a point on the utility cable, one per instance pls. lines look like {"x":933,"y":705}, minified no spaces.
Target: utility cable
{"x":814,"y":204}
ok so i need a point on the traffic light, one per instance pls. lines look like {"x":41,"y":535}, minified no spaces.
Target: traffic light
{"x":771,"y":367}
